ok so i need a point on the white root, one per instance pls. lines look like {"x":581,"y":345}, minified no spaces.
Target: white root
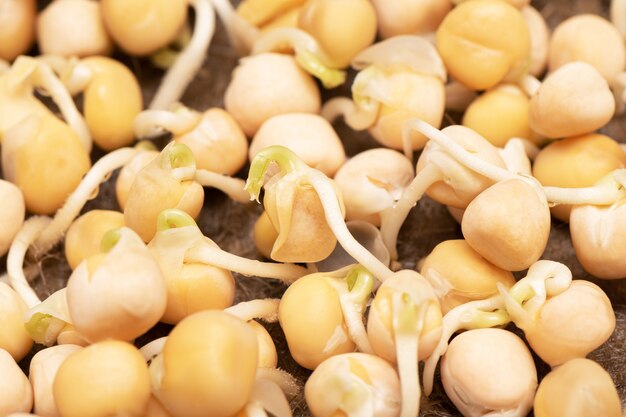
{"x":15,"y":261}
{"x":352,"y":310}
{"x":242,"y":34}
{"x":151,"y":123}
{"x":233,"y":187}
{"x":77,"y":200}
{"x":517,"y":154}
{"x":357,"y":117}
{"x":299,"y":40}
{"x":217,"y":257}
{"x":287,"y":383}
{"x":152,"y":349}
{"x":263,"y":309}
{"x":334,"y":219}
{"x":255,"y":409}
{"x":190,"y":60}
{"x":530,"y":85}
{"x":393,"y":218}
{"x":407,"y":345}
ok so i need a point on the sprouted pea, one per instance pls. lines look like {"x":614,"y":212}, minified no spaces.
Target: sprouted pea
{"x":472,"y":315}
{"x":408,"y":17}
{"x":103,"y":379}
{"x":17,"y":27}
{"x":573,"y":100}
{"x":400,"y":78}
{"x":217,"y":142}
{"x":191,"y":286}
{"x":12,"y":212}
{"x":372,"y":181}
{"x":500,"y":114}
{"x":14,"y":339}
{"x":17,"y":88}
{"x":469,"y":277}
{"x":176,"y":229}
{"x":577,"y":39}
{"x":404,"y":326}
{"x":60,"y":22}
{"x":579,"y":161}
{"x":332,"y":303}
{"x":166,"y":182}
{"x":207,"y":366}
{"x":561,"y":319}
{"x":16,"y":394}
{"x":42,"y":371}
{"x":129,"y":172}
{"x":597,"y":234}
{"x":578,"y":388}
{"x":539,"y":40}
{"x":119,"y":293}
{"x":84,"y":236}
{"x":509,"y":223}
{"x":298,"y":200}
{"x":478,"y":173}
{"x":267,"y":85}
{"x":489,"y":371}
{"x":309,"y":136}
{"x":483,"y":43}
{"x":353,"y":383}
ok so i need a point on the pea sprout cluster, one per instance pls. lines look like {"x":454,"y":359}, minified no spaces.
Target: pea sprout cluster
{"x":475,"y":105}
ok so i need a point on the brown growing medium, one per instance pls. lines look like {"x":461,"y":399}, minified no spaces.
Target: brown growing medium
{"x":430,"y":221}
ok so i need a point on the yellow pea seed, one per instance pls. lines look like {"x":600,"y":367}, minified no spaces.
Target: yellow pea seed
{"x":141,"y":27}
{"x":343,"y":28}
{"x":483,"y":42}
{"x":112,"y":100}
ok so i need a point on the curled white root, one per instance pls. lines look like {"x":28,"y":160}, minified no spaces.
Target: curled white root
{"x":151,"y":123}
{"x":190,"y":60}
{"x":355,"y":116}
